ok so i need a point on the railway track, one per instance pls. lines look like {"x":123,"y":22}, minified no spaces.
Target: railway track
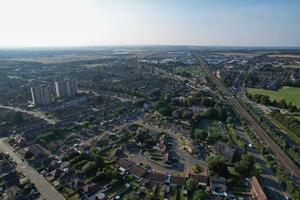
{"x":282,"y":158}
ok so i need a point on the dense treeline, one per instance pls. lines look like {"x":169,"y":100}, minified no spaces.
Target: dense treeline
{"x":264,"y":99}
{"x":279,"y":172}
{"x":289,"y":122}
{"x":283,"y":140}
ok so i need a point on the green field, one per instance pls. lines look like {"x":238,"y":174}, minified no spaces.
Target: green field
{"x":290,"y":94}
{"x":193,"y":70}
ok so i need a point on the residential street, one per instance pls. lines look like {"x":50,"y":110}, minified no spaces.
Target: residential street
{"x":36,"y":114}
{"x":188,"y":160}
{"x":47,"y":191}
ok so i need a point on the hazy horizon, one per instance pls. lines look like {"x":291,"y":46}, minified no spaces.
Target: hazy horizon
{"x":93,"y":23}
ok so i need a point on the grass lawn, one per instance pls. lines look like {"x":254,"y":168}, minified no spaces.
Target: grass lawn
{"x":290,"y":94}
{"x":73,"y":197}
{"x":67,"y":191}
{"x":180,"y":195}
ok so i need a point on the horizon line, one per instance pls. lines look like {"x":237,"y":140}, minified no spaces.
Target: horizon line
{"x":147,"y":45}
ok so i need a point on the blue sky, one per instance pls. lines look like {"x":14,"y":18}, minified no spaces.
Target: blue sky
{"x":152,"y":22}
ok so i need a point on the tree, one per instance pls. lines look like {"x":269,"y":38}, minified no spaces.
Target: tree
{"x":200,"y":134}
{"x":15,"y":117}
{"x":100,"y":99}
{"x":89,"y":168}
{"x":151,"y":197}
{"x":256,"y":170}
{"x":159,"y":104}
{"x":200,"y":195}
{"x":229,"y":120}
{"x":114,"y":182}
{"x":166,"y":111}
{"x":98,"y":160}
{"x":245,"y":166}
{"x":217,"y":165}
{"x":265,"y":100}
{"x":187,"y":114}
{"x":191,"y":184}
{"x":28,"y":155}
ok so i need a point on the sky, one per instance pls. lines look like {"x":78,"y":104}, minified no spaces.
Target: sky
{"x":50,"y":23}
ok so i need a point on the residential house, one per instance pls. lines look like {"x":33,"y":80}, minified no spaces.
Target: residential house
{"x":38,"y":152}
{"x":171,"y":157}
{"x":123,"y":165}
{"x":137,"y":171}
{"x":11,"y":178}
{"x":131,"y":147}
{"x":177,"y":181}
{"x":228,"y":151}
{"x":77,"y":184}
{"x":218,"y":187}
{"x":15,"y":193}
{"x":257,"y":192}
{"x":156,"y":177}
{"x":91,"y":188}
{"x":5,"y":166}
{"x":201,"y":179}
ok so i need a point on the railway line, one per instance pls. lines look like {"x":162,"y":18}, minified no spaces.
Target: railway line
{"x":282,"y":158}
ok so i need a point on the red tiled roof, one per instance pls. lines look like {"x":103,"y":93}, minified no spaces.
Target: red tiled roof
{"x":257,"y":190}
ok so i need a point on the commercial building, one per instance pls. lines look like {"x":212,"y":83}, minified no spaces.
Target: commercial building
{"x":66,"y":88}
{"x":40,"y":95}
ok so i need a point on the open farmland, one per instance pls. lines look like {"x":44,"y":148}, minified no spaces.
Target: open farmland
{"x":285,"y":56}
{"x":290,"y":94}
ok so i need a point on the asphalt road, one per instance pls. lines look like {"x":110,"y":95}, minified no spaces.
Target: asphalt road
{"x":47,"y":191}
{"x":36,"y":114}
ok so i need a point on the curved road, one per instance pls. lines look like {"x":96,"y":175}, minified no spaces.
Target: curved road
{"x":36,"y":114}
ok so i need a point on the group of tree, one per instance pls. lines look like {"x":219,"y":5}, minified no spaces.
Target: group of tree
{"x":289,"y":122}
{"x":283,"y":140}
{"x":194,"y":191}
{"x":88,"y":163}
{"x":15,"y":117}
{"x":245,"y":166}
{"x":217,"y":166}
{"x":285,"y":180}
{"x":264,"y":99}
{"x":215,"y":113}
{"x":199,"y":135}
{"x":146,"y":140}
{"x":163,"y":107}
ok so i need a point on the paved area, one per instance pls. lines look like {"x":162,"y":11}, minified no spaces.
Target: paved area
{"x":47,"y":191}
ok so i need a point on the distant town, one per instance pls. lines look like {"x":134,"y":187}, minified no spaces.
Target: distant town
{"x":166,"y":122}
